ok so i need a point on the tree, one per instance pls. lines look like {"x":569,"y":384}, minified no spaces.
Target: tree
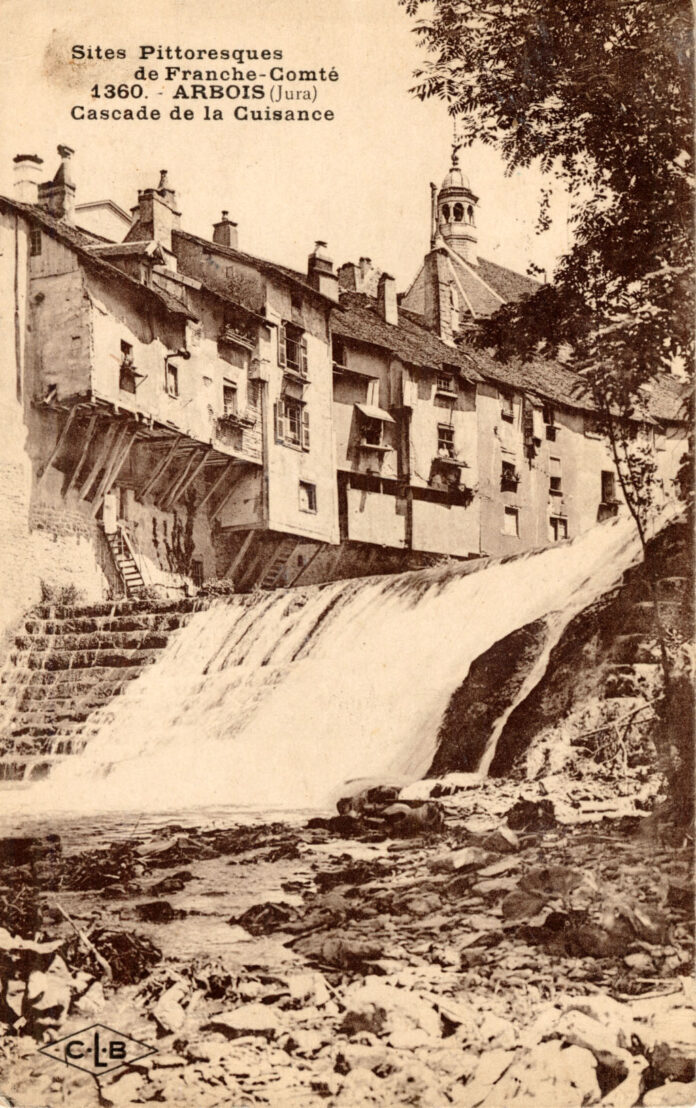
{"x":598,"y":94}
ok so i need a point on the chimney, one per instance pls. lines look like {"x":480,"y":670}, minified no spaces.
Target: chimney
{"x":27,"y":173}
{"x":225,"y":232}
{"x":386,"y":299}
{"x":438,"y":308}
{"x":348,"y":277}
{"x":320,"y":271}
{"x":58,"y":196}
{"x":157,"y":214}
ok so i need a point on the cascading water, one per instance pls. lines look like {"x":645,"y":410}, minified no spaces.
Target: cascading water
{"x":274,"y":700}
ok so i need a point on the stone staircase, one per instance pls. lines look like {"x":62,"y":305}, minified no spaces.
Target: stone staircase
{"x":66,"y":663}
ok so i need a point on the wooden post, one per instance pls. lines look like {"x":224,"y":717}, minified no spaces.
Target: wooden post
{"x":121,"y":453}
{"x":114,"y":451}
{"x":159,"y":470}
{"x":59,"y":442}
{"x":163,"y":500}
{"x":101,"y":457}
{"x":83,"y":454}
{"x":218,"y":508}
{"x":320,"y":546}
{"x":190,"y":479}
{"x":216,"y":484}
{"x":241,"y":553}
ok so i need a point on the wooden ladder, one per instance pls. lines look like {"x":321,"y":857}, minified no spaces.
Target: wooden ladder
{"x":124,"y":557}
{"x":273,"y":573}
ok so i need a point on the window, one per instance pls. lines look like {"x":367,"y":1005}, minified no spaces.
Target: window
{"x":507,"y":407}
{"x":338,"y":354}
{"x":555,"y":478}
{"x":445,"y":384}
{"x":292,"y":349}
{"x":172,"y":379}
{"x":470,"y":214}
{"x":509,"y":477}
{"x":511,"y":522}
{"x":292,"y":423}
{"x":308,"y":497}
{"x":229,"y":398}
{"x":608,"y":486}
{"x":127,"y":377}
{"x":35,"y":242}
{"x":445,"y":440}
{"x":446,"y":212}
{"x":458,"y":212}
{"x":558,"y":527}
{"x":548,"y":414}
{"x":371,"y":431}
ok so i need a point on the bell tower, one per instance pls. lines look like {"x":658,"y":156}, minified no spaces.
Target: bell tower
{"x":454,"y":214}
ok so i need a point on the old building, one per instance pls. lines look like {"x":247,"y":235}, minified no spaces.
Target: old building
{"x":177,"y":410}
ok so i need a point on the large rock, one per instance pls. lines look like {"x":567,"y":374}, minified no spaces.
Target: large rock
{"x":673,"y":1055}
{"x":384,"y":1009}
{"x":549,"y":1074}
{"x":671,"y":1095}
{"x":250,"y":1019}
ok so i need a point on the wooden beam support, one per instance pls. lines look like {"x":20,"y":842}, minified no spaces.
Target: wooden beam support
{"x":159,"y":469}
{"x":216,"y":484}
{"x":102,"y":454}
{"x":191,"y":478}
{"x":59,"y":442}
{"x":120,"y":453}
{"x":241,"y":553}
{"x":111,"y":457}
{"x":320,"y":546}
{"x":218,"y":508}
{"x":83,"y":454}
{"x":163,"y":500}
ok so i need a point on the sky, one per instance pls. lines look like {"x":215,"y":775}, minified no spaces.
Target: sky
{"x":359,"y":182}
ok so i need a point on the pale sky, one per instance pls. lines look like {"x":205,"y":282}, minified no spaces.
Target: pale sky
{"x":360,"y":182}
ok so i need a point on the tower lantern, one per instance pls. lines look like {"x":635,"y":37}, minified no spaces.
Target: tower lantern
{"x":456,"y":210}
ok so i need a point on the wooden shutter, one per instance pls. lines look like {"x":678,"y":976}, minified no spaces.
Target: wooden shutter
{"x":281,"y":344}
{"x":305,"y":429}
{"x":303,"y":356}
{"x":279,"y":419}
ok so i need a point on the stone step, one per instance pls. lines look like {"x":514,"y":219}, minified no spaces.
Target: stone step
{"x":143,"y":621}
{"x":126,"y":606}
{"x":82,"y":659}
{"x":93,"y":640}
{"x":72,"y":680}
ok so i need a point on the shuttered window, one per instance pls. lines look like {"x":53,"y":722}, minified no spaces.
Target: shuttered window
{"x":292,"y":423}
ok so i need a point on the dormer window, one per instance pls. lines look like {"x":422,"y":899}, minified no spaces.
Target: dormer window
{"x":292,"y":349}
{"x":446,"y":385}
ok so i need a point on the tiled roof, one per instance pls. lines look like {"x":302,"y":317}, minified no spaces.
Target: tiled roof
{"x":361,"y":321}
{"x":507,"y":283}
{"x":548,"y":380}
{"x":83,"y":245}
{"x":291,"y":276}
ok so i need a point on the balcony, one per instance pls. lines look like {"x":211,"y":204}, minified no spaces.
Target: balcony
{"x":235,"y":421}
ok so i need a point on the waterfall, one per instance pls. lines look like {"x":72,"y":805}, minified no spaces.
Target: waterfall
{"x":275,"y":699}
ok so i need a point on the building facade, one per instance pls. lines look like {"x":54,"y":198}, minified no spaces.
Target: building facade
{"x":177,"y":410}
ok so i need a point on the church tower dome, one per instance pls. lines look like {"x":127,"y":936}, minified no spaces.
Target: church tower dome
{"x":455,"y":214}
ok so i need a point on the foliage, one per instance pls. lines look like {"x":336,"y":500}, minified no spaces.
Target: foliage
{"x":599,"y":95}
{"x":67,"y":596}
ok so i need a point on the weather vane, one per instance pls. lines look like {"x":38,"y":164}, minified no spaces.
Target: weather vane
{"x":456,"y":142}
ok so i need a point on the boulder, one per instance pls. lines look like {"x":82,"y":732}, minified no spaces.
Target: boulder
{"x":503,"y":841}
{"x":250,"y":1019}
{"x":382,"y":1008}
{"x":168,"y":1011}
{"x":673,"y":1055}
{"x":671,"y":1095}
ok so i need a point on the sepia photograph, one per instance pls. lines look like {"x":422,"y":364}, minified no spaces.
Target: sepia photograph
{"x":347,"y":653}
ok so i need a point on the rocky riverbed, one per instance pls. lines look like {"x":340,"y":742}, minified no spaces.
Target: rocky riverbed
{"x":457,"y":943}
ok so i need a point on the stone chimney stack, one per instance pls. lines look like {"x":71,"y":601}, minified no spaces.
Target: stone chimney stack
{"x":156,"y":214}
{"x":27,"y":174}
{"x":386,"y":299}
{"x":225,"y":232}
{"x":320,"y":271}
{"x":58,"y":196}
